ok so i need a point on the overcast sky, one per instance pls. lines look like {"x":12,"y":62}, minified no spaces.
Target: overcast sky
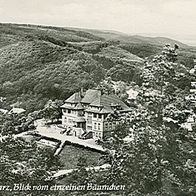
{"x":171,"y":18}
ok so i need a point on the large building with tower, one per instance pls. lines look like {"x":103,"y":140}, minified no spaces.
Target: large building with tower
{"x":92,"y":114}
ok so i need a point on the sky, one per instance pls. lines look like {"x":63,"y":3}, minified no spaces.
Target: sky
{"x":170,"y":18}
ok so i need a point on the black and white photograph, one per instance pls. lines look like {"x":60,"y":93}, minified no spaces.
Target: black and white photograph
{"x":97,"y":98}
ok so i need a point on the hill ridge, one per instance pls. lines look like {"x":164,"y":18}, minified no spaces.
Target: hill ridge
{"x":42,"y":62}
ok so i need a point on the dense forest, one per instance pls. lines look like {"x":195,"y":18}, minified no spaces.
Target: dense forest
{"x":38,"y":63}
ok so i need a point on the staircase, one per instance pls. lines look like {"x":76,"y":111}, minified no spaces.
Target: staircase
{"x":87,"y":135}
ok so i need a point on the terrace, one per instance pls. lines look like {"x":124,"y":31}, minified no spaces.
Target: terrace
{"x":55,"y":132}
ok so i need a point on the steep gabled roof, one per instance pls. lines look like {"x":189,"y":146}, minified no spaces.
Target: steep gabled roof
{"x":90,"y":96}
{"x":107,"y":101}
{"x":98,"y":101}
{"x":75,"y":98}
{"x":104,"y":103}
{"x":114,"y":99}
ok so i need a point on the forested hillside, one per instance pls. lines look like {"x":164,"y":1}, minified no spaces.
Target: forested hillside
{"x":146,"y":46}
{"x":38,"y":63}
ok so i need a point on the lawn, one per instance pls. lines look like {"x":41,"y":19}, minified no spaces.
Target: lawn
{"x":70,"y":154}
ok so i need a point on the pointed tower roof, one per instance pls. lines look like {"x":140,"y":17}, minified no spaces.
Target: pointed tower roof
{"x":75,"y":98}
{"x":90,"y":96}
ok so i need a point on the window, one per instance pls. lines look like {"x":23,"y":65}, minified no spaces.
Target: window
{"x":69,"y":111}
{"x":106,"y":125}
{"x":98,"y":126}
{"x":70,"y":120}
{"x":100,"y":115}
{"x":80,"y":113}
{"x":89,"y":114}
{"x":89,"y":127}
{"x":94,"y":115}
{"x":110,"y":125}
{"x":105,"y":116}
{"x":95,"y":125}
{"x":89,"y":120}
{"x":99,"y":135}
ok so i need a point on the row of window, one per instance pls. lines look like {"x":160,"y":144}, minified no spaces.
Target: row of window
{"x":69,"y":111}
{"x":97,"y":134}
{"x":97,"y":115}
{"x":69,"y":120}
{"x":97,"y":126}
{"x":109,"y":125}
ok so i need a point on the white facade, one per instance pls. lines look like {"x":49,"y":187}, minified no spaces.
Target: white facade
{"x":89,"y":115}
{"x":94,"y":123}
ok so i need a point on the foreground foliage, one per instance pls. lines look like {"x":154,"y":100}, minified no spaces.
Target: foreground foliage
{"x":159,"y":158}
{"x":25,"y":163}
